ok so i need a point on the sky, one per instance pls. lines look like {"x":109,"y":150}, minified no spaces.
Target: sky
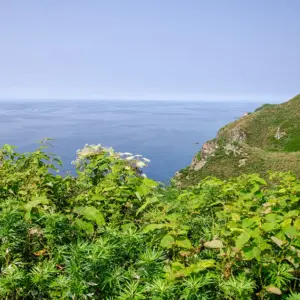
{"x":150,"y":49}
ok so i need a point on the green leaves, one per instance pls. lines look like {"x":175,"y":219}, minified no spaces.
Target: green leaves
{"x":248,"y":222}
{"x":152,"y":227}
{"x":86,"y":226}
{"x":35,"y":202}
{"x":200,"y":266}
{"x":183,"y":242}
{"x":290,"y":231}
{"x":90,"y":213}
{"x":146,"y":204}
{"x":178,"y":269}
{"x":242,"y":239}
{"x":252,"y":252}
{"x":216,"y":240}
{"x":269,"y":226}
{"x":167,"y":241}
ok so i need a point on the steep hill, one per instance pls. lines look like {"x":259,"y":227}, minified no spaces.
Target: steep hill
{"x":268,"y":139}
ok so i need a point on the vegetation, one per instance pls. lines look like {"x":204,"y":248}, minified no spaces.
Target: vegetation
{"x":264,"y":106}
{"x":267,"y":139}
{"x":112,"y":233}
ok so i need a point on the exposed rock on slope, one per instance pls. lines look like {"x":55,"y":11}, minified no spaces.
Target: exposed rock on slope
{"x":208,"y":150}
{"x":268,"y":139}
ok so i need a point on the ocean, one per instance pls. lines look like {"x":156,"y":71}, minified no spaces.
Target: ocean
{"x":168,"y":133}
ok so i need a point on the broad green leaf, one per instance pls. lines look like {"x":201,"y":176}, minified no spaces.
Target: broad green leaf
{"x":199,"y":266}
{"x":216,"y":203}
{"x":247,"y":222}
{"x":292,"y":213}
{"x":246,"y":196}
{"x":183,"y":242}
{"x":98,"y":198}
{"x":91,"y":213}
{"x":86,"y":226}
{"x":35,"y":202}
{"x":180,"y":271}
{"x":261,"y":243}
{"x":167,"y":241}
{"x":148,"y":202}
{"x":152,"y":227}
{"x":296,"y":188}
{"x":251,"y":253}
{"x":214,"y":244}
{"x":236,"y":229}
{"x":286,"y":222}
{"x":27,"y":215}
{"x":269,"y":226}
{"x":109,"y":188}
{"x":173,"y":217}
{"x":176,"y":266}
{"x":255,"y":188}
{"x":273,"y":217}
{"x":149,"y":182}
{"x":128,"y":226}
{"x":255,"y":233}
{"x":22,"y":193}
{"x":297,"y":224}
{"x":235,"y":217}
{"x":290,"y":231}
{"x":242,"y":239}
{"x":260,"y":180}
{"x":256,"y":253}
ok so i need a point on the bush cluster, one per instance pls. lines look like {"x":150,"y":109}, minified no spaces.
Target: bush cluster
{"x":112,"y":233}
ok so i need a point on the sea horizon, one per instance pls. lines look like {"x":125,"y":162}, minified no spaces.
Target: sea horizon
{"x":169,"y":133}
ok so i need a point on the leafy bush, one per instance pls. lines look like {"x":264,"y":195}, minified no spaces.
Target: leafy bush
{"x":112,"y":233}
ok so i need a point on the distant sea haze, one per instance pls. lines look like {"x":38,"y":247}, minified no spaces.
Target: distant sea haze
{"x":168,"y":133}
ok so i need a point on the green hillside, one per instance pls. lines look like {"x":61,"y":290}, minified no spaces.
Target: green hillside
{"x":268,"y":139}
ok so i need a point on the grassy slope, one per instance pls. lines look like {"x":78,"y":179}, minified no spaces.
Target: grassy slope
{"x":263,"y":152}
{"x":260,"y":127}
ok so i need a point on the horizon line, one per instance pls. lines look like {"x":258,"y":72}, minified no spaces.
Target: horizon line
{"x":227,"y":99}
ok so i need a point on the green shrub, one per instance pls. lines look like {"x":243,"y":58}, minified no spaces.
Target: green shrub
{"x":112,"y":233}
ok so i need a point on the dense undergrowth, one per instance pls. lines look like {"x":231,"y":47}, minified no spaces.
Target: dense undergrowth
{"x":112,"y":233}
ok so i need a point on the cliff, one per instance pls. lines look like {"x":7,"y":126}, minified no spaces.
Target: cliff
{"x":268,"y":139}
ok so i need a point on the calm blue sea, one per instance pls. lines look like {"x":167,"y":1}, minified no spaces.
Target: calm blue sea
{"x":165,"y":132}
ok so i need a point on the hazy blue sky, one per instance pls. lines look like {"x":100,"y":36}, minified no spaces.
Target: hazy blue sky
{"x":150,"y":49}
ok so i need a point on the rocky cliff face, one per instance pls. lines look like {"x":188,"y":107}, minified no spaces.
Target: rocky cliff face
{"x":232,"y":137}
{"x":266,"y":140}
{"x":208,"y":149}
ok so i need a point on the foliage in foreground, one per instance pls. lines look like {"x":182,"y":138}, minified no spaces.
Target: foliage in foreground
{"x":111,"y":233}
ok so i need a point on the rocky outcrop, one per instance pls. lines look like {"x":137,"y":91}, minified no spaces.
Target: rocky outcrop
{"x":208,"y":149}
{"x":279,"y":134}
{"x":233,"y":149}
{"x":232,"y":135}
{"x":235,"y":135}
